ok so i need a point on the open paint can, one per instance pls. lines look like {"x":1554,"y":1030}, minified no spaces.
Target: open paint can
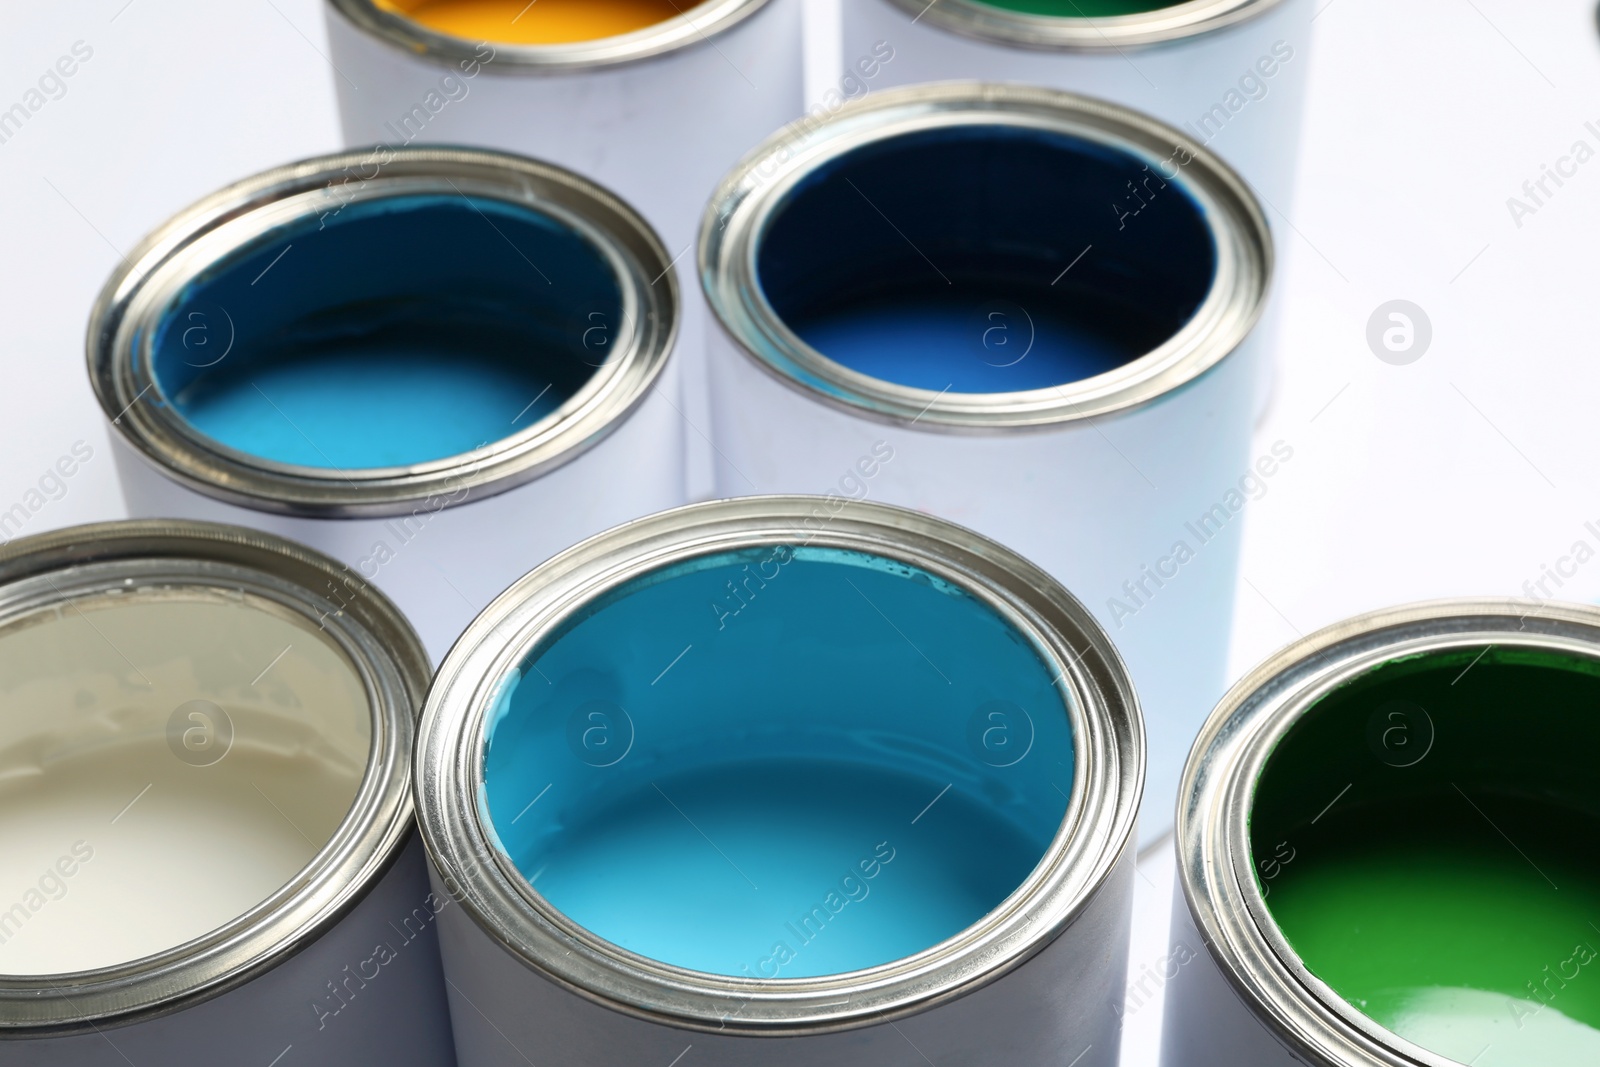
{"x":1387,"y":848}
{"x":440,"y":374}
{"x":755,"y":781}
{"x":655,"y":99}
{"x":206,"y":835}
{"x":1229,"y":75}
{"x":924,"y":302}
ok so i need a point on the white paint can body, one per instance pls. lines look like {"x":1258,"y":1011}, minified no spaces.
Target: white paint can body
{"x":442,"y":537}
{"x":1127,"y":487}
{"x":340,"y":963}
{"x":657,"y":116}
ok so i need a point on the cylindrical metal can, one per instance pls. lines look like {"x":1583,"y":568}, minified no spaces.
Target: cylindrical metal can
{"x":205,"y":807}
{"x":1385,"y":847}
{"x":439,"y":366}
{"x":1230,"y":75}
{"x":929,"y":270}
{"x":783,"y":782}
{"x":658,"y":114}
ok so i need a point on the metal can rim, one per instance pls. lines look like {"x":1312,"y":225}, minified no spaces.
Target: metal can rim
{"x":138,"y":291}
{"x":687,"y":30}
{"x":1213,"y":853}
{"x":736,"y":218}
{"x":394,"y":668}
{"x":1095,"y":834}
{"x":1173,"y":24}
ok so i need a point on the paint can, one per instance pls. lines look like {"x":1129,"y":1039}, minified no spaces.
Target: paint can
{"x":769,"y":780}
{"x":438,"y":366}
{"x":657,"y":114}
{"x":205,"y":805}
{"x":1229,"y":75}
{"x":1377,"y":853}
{"x":921,"y":275}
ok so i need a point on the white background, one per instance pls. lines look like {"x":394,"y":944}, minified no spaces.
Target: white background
{"x":1464,"y":472}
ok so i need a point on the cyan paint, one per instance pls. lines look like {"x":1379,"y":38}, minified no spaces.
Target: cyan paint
{"x":984,"y":259}
{"x":783,"y":762}
{"x":393,"y":332}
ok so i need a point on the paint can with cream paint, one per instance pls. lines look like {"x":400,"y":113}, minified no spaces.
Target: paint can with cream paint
{"x":654,"y":99}
{"x":766,"y":781}
{"x":1385,"y":848}
{"x":928,"y":270}
{"x":439,"y":366}
{"x":206,"y":832}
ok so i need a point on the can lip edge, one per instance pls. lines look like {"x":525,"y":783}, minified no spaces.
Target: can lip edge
{"x":1259,"y":966}
{"x":388,"y":656}
{"x":1171,"y":25}
{"x":664,"y":39}
{"x":180,"y":454}
{"x":1095,"y":835}
{"x":742,"y":204}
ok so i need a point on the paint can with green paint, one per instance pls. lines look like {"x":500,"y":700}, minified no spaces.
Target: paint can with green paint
{"x":1229,"y":74}
{"x":1387,"y":848}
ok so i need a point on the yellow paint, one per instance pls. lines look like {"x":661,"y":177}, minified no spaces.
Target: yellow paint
{"x":539,"y":22}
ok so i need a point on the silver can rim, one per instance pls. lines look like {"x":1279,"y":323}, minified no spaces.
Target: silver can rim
{"x":140,"y":289}
{"x":697,"y":26}
{"x":747,"y":199}
{"x":1212,"y":835}
{"x":996,"y":25}
{"x":394,"y":669}
{"x":1095,"y":834}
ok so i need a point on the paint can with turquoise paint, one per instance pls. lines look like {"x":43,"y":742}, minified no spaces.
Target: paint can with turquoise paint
{"x":1386,"y":849}
{"x":925,"y":302}
{"x":207,"y":845}
{"x":772,"y":781}
{"x":440,"y":367}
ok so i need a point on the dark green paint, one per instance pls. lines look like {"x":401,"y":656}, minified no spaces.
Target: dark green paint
{"x":1452,"y":892}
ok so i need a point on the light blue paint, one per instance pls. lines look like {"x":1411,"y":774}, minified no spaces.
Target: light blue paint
{"x":401,"y":331}
{"x":985,"y":259}
{"x":740,"y":765}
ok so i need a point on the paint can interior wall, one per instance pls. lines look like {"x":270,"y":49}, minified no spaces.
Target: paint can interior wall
{"x":170,"y":757}
{"x":780,"y":763}
{"x":393,"y":331}
{"x":544,"y":22}
{"x":1426,"y":839}
{"x":971,"y":259}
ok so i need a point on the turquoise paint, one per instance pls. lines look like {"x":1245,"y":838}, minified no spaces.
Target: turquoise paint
{"x":394,"y":332}
{"x":986,"y":259}
{"x":785,"y":762}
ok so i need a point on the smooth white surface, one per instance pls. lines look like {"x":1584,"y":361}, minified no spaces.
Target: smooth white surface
{"x":1463,"y":472}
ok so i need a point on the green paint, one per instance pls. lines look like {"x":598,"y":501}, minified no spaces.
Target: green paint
{"x":1452,"y":892}
{"x":1079,"y":9}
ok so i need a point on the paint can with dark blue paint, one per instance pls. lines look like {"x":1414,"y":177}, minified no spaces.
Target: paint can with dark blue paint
{"x":1044,"y":307}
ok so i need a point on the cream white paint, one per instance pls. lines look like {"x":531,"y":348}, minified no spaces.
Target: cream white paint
{"x":113,"y":846}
